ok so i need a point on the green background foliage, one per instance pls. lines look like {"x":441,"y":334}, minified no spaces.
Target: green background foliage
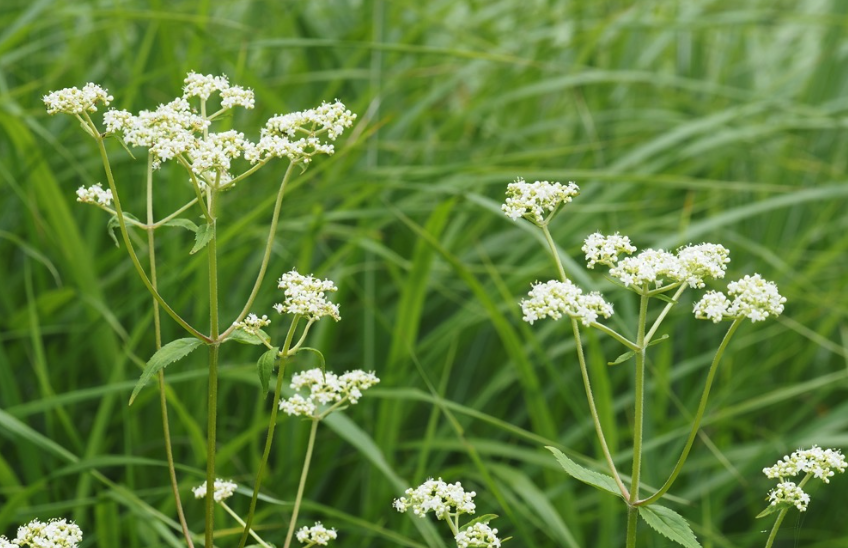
{"x":682,"y":121}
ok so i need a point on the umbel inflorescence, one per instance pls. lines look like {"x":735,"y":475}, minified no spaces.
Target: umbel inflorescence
{"x":56,"y":533}
{"x":812,"y":463}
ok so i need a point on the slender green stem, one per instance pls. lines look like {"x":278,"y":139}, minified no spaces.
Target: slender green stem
{"x":246,"y":174}
{"x":267,"y":256}
{"x":662,"y":289}
{"x":664,"y":313}
{"x":638,"y":420}
{"x":615,"y":335}
{"x":554,"y":251}
{"x":773,"y":534}
{"x":241,"y":522}
{"x":164,"y":220}
{"x":272,"y":424}
{"x":306,"y":461}
{"x":297,"y":346}
{"x":197,"y":191}
{"x":122,"y":223}
{"x":157,"y":328}
{"x":212,"y":394}
{"x":593,"y":410}
{"x":699,"y":415}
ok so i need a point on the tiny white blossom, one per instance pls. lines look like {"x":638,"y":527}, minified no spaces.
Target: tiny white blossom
{"x":224,"y":489}
{"x":215,"y":153}
{"x":325,"y":388}
{"x":443,"y":499}
{"x":56,"y":533}
{"x":76,"y":101}
{"x":817,"y":461}
{"x":753,"y":298}
{"x":317,"y":534}
{"x":236,"y":95}
{"x":94,"y":194}
{"x":788,"y":492}
{"x":702,"y":261}
{"x":536,"y":201}
{"x":651,"y":266}
{"x":600,"y":249}
{"x":252,"y":323}
{"x":478,"y":535}
{"x":5,"y":543}
{"x":203,"y":85}
{"x":298,"y":405}
{"x":712,"y":306}
{"x":553,"y":298}
{"x":305,"y":296}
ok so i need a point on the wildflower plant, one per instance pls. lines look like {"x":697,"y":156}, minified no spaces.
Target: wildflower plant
{"x":656,"y":276}
{"x":183,"y":132}
{"x":56,"y":533}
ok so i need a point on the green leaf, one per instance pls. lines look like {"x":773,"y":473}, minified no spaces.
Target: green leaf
{"x":241,"y":336}
{"x":182,"y":223}
{"x":659,"y":340}
{"x":623,"y":358}
{"x":486,"y":518}
{"x":114,"y":224}
{"x":171,"y":352}
{"x":771,"y":509}
{"x":590,"y":477}
{"x":670,"y":524}
{"x":202,"y":237}
{"x":264,"y":367}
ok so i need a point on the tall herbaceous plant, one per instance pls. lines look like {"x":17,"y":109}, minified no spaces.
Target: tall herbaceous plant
{"x":183,"y":131}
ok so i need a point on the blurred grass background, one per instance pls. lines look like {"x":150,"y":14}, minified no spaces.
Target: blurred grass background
{"x":682,"y":121}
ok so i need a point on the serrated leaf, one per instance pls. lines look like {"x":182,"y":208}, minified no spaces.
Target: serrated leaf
{"x":623,"y":358}
{"x":589,"y":477}
{"x":203,"y":236}
{"x":241,"y":336}
{"x":115,"y":224}
{"x":486,"y":518}
{"x":659,"y":340}
{"x":168,"y":354}
{"x":182,"y":223}
{"x":670,"y":524}
{"x":264,"y":367}
{"x":772,"y":509}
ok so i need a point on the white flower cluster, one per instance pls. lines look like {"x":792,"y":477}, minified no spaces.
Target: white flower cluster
{"x":535,"y":201}
{"x":56,"y":533}
{"x":224,"y":489}
{"x":305,"y":296}
{"x":76,"y":101}
{"x":94,"y":195}
{"x":325,"y":388}
{"x":204,"y":85}
{"x":216,"y":152}
{"x":788,"y":492}
{"x":252,"y":324}
{"x":316,"y":535}
{"x":554,"y":298}
{"x":443,"y":499}
{"x":479,"y":535}
{"x":817,"y":461}
{"x":692,"y":264}
{"x":297,"y":135}
{"x":753,"y":298}
{"x":600,"y":249}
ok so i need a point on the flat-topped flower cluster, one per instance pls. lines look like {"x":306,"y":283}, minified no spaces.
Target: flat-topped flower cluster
{"x":553,"y":298}
{"x":753,"y":298}
{"x":537,"y":202}
{"x":316,"y":535}
{"x":478,"y":535}
{"x":305,"y":296}
{"x":224,"y":489}
{"x":441,"y":498}
{"x":56,"y":533}
{"x":814,"y":463}
{"x":325,"y":388}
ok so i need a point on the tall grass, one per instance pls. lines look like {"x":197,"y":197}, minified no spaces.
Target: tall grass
{"x":681,"y":121}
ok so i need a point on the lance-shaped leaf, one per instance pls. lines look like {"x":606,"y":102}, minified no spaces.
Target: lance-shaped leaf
{"x":670,"y":524}
{"x":241,"y":336}
{"x":202,"y":237}
{"x":168,"y":354}
{"x":590,"y":477}
{"x":182,"y":223}
{"x":264,"y":367}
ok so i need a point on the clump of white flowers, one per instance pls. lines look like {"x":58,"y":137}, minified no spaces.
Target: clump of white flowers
{"x":95,"y":194}
{"x":325,"y":388}
{"x":224,"y":489}
{"x":76,"y":101}
{"x":651,"y":266}
{"x":252,"y":323}
{"x":814,"y":463}
{"x":316,"y":535}
{"x":478,"y":535}
{"x":701,"y":261}
{"x":56,"y":533}
{"x":305,"y":296}
{"x":443,"y":499}
{"x":537,"y":202}
{"x":554,"y":298}
{"x":753,"y":297}
{"x":600,"y":249}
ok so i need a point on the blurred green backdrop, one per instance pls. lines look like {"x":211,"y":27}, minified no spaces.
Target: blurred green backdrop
{"x":682,"y":121}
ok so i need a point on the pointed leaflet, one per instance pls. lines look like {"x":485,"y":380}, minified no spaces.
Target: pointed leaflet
{"x":601,"y":481}
{"x":264,"y":367}
{"x":182,"y":223}
{"x":244,"y":337}
{"x":486,"y":518}
{"x":772,"y":508}
{"x":171,"y":352}
{"x":202,"y":236}
{"x":670,"y":524}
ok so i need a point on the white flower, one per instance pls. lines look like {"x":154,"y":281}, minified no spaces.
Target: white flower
{"x":203,"y":85}
{"x":600,"y":249}
{"x":305,"y":296}
{"x":236,"y":95}
{"x":224,"y":489}
{"x":298,"y":405}
{"x":753,"y":298}
{"x":76,"y":101}
{"x":4,"y":543}
{"x":325,"y":388}
{"x":252,"y":324}
{"x":94,"y":195}
{"x":536,"y":201}
{"x":56,"y":533}
{"x":651,"y":266}
{"x":479,"y":535}
{"x":788,"y":492}
{"x":817,"y":461}
{"x":702,"y":261}
{"x":297,"y":135}
{"x":216,"y":152}
{"x":443,"y":499}
{"x":317,"y":534}
{"x":554,"y":298}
